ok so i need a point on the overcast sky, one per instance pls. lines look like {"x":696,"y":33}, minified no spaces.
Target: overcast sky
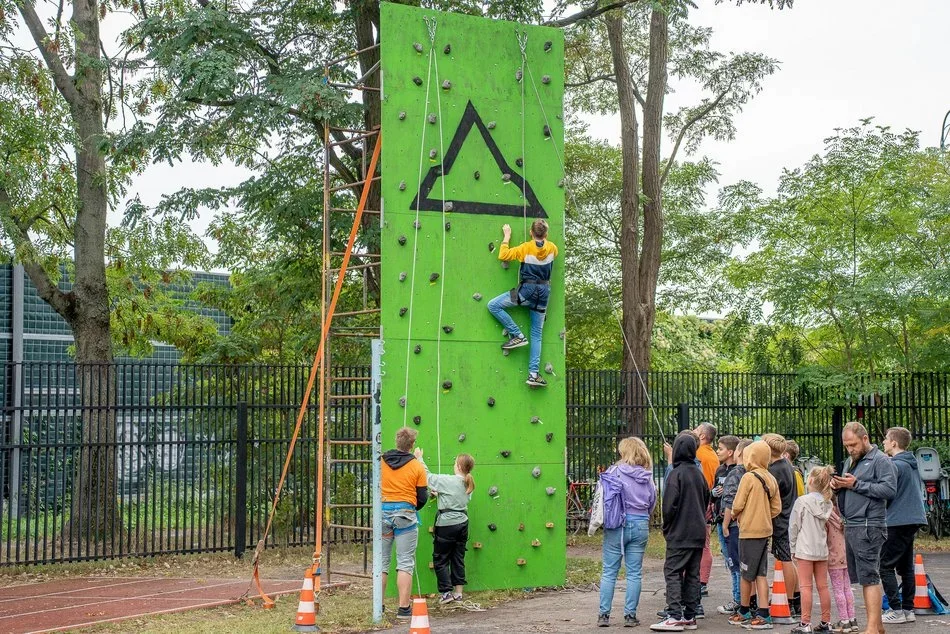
{"x":841,"y":60}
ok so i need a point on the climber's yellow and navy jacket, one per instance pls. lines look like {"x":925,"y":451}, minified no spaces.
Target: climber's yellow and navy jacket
{"x":537,"y":262}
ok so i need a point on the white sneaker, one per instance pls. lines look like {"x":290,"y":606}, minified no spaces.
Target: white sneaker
{"x":669,"y":624}
{"x":909,"y":616}
{"x":894,"y":616}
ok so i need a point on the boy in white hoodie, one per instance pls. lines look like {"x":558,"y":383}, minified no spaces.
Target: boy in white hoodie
{"x":808,"y":537}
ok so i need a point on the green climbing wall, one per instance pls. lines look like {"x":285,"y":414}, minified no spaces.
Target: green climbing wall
{"x":485,"y":129}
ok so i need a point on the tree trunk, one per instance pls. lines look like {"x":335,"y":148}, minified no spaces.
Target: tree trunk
{"x":631,"y":397}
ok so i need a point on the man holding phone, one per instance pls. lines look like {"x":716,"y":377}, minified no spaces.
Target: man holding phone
{"x":863,"y":493}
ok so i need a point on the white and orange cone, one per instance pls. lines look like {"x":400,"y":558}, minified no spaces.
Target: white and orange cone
{"x":921,"y":594}
{"x":307,"y":608}
{"x":420,"y":617}
{"x":779,"y":609}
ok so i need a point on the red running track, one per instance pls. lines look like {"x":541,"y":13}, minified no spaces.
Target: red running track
{"x":72,"y":603}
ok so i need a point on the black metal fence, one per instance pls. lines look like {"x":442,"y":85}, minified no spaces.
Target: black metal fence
{"x":196,"y":450}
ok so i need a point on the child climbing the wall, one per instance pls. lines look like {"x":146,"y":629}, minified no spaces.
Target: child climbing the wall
{"x":453,"y":493}
{"x":533,"y":291}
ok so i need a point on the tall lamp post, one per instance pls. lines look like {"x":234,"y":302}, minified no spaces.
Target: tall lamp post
{"x":945,"y":132}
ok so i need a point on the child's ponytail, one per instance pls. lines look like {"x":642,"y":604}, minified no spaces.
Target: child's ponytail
{"x":465,"y":465}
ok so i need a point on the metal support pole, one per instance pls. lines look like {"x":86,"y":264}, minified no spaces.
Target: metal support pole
{"x":682,"y":416}
{"x":376,"y":434}
{"x":240,"y":494}
{"x":17,"y":430}
{"x":837,"y":445}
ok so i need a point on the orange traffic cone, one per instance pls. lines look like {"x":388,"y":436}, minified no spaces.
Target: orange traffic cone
{"x":307,"y":608}
{"x":778,"y":607}
{"x":420,"y":617}
{"x":921,"y":595}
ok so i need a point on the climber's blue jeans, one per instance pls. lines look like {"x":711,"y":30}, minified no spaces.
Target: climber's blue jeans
{"x":497,"y":308}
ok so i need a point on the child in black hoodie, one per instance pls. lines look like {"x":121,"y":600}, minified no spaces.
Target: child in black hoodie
{"x":684,"y":526}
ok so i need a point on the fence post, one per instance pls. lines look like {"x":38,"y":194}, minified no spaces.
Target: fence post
{"x":837,"y":446}
{"x":682,"y":416}
{"x":240,"y":497}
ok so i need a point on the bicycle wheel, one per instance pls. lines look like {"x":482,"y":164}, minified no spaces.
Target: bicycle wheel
{"x":935,"y":522}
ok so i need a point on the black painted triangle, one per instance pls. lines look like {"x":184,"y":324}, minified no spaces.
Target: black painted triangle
{"x":470,"y":119}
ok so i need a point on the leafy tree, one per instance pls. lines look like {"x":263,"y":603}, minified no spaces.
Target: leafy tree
{"x":852,"y":252}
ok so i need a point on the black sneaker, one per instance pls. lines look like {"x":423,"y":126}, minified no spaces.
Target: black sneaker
{"x":404,"y":613}
{"x":514,"y":342}
{"x":630,"y":620}
{"x":700,"y":612}
{"x":703,"y":590}
{"x":603,"y":620}
{"x":536,"y":380}
{"x":665,"y":612}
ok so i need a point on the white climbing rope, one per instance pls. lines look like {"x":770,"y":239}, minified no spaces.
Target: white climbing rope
{"x":430,"y":26}
{"x":570,"y":194}
{"x":523,"y":45}
{"x":438,"y":332}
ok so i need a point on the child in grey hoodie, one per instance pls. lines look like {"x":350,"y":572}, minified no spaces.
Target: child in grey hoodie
{"x":808,"y":536}
{"x":453,"y":493}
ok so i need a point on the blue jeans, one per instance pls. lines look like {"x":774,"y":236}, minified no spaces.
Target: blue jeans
{"x":497,"y":308}
{"x":628,"y":543}
{"x":730,"y":552}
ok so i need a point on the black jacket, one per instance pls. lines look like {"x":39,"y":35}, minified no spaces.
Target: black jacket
{"x":686,"y":498}
{"x":866,"y":503}
{"x":784,"y":473}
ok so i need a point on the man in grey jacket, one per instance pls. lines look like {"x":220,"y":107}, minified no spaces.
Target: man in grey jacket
{"x":863,"y":494}
{"x":905,"y":515}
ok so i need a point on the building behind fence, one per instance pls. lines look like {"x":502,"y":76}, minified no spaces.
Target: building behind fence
{"x":199,"y":449}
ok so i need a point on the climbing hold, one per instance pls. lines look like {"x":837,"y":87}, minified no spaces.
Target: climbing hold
{"x":433,"y":153}
{"x":431,"y":563}
{"x":446,"y":84}
{"x":521,"y":526}
{"x":477,"y":297}
{"x":448,"y":226}
{"x":491,"y":125}
{"x":506,"y":177}
{"x":550,"y":490}
{"x":417,"y":419}
{"x":549,"y":525}
{"x":402,"y":241}
{"x":433,"y":277}
{"x":417,"y":80}
{"x":549,"y":436}
{"x":522,"y":562}
{"x":536,"y":543}
{"x":505,"y":453}
{"x":518,"y":75}
{"x":448,"y":49}
{"x":417,"y":224}
{"x":448,"y":206}
{"x":560,"y":183}
{"x":446,"y":385}
{"x":505,"y":333}
{"x":402,"y":186}
{"x":448,"y":329}
{"x":545,"y":79}
{"x":402,"y":276}
{"x":402,"y":401}
{"x":402,"y":115}
{"x":547,"y":130}
{"x":417,"y":349}
{"x":403,"y":311}
{"x":492,"y":527}
{"x":535,"y":420}
{"x":491,"y":401}
{"x":477,"y":545}
{"x":505,"y":352}
{"x":547,"y":46}
{"x":549,"y":368}
{"x":505,"y":265}
{"x":461,"y":437}
{"x":562,"y":334}
{"x":519,"y":162}
{"x":432,"y":118}
{"x":417,"y":46}
{"x":492,"y":491}
{"x":536,"y":472}
{"x":491,"y":247}
{"x":477,"y":175}
{"x":432,"y":529}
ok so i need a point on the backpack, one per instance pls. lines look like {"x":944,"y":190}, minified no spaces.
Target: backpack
{"x":607,"y":509}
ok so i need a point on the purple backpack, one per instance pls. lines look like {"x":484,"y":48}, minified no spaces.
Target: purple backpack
{"x":612,"y":490}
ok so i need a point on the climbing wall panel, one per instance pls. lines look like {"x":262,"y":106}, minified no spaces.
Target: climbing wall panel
{"x":473,"y":140}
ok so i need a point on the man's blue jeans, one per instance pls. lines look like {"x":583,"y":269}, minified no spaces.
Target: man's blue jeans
{"x":497,"y":308}
{"x":628,"y":544}
{"x":730,"y":552}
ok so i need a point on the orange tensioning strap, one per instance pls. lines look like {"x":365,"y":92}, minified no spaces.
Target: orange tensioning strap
{"x":317,"y":360}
